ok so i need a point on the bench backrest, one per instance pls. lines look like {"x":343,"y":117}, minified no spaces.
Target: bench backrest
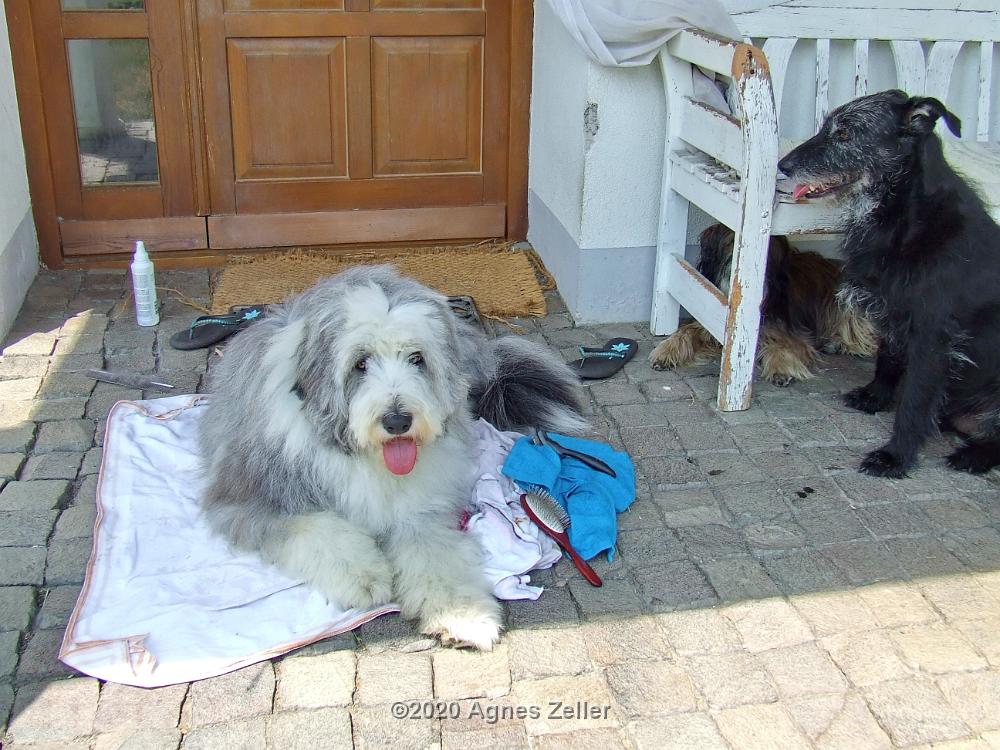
{"x":924,"y":40}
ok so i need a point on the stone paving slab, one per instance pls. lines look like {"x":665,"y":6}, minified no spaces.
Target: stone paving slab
{"x":763,"y":593}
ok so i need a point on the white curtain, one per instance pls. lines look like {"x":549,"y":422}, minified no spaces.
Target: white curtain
{"x":630,"y":32}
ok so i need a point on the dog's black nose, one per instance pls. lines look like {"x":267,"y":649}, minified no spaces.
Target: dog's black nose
{"x":397,"y":423}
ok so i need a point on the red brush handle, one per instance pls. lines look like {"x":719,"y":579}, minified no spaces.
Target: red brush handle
{"x":582,"y":565}
{"x":563,"y":541}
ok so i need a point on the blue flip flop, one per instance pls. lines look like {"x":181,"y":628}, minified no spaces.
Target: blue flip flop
{"x":211,"y":329}
{"x":597,"y":363}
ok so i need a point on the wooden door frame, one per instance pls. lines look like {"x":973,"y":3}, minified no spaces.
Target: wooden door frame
{"x":28,"y":85}
{"x":165,"y":214}
{"x":522,"y":27}
{"x":176,"y":235}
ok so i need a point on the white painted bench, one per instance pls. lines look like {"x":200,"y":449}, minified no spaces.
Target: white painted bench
{"x":727,"y":165}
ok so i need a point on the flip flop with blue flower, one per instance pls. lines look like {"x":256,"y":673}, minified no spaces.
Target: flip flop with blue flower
{"x":597,"y":363}
{"x":211,"y":329}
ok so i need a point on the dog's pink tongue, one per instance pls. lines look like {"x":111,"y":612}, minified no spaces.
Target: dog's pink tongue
{"x":800,"y":190}
{"x":400,"y":455}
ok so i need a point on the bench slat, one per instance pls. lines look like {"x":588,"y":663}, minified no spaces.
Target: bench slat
{"x":778,"y":51}
{"x":700,"y":297}
{"x":884,"y":24}
{"x":713,"y":132}
{"x":940,"y":64}
{"x":985,"y":87}
{"x":807,"y":218}
{"x":702,"y":49}
{"x":910,"y":67}
{"x":860,"y":67}
{"x":721,"y":206}
{"x":967,"y":5}
{"x":822,"y":80}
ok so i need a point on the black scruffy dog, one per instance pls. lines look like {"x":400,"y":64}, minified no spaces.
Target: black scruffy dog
{"x":923,"y":257}
{"x":799,"y":314}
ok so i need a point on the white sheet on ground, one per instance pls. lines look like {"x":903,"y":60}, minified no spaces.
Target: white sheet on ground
{"x":631,"y":32}
{"x":167,"y":601}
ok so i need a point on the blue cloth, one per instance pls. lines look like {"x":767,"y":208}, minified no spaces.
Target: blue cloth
{"x":592,"y":498}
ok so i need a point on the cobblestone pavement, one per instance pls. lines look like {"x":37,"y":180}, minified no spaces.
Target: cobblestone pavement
{"x":127,"y":156}
{"x":764,"y":595}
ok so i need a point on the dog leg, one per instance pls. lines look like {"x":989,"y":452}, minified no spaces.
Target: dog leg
{"x":686,"y":345}
{"x":878,"y":395}
{"x":921,"y":395}
{"x":438,"y":582}
{"x":783,"y":358}
{"x":332,"y":555}
{"x":977,"y":456}
{"x":848,"y":331}
{"x":981,"y":451}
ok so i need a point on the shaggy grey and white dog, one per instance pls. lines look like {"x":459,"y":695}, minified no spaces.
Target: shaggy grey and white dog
{"x":338,"y":444}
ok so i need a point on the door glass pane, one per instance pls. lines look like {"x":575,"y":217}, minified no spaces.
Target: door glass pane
{"x":113,"y":101}
{"x":103,"y":4}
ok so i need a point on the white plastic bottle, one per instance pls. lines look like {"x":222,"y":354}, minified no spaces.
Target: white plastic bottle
{"x":144,"y":287}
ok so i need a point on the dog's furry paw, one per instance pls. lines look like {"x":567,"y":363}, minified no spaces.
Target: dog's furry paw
{"x":975,"y":458}
{"x":359,"y":584}
{"x":475,"y":626}
{"x":882,"y":463}
{"x":867,"y":399}
{"x":782,"y":380}
{"x":664,"y":356}
{"x":687,"y":345}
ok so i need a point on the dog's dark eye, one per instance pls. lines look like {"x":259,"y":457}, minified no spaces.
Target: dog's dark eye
{"x":841,"y":134}
{"x":361,"y":364}
{"x":416,"y":359}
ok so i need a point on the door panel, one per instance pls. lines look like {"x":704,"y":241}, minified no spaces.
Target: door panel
{"x":289,"y":108}
{"x":428,"y":103}
{"x":284,"y":5}
{"x":427,"y":4}
{"x":358,"y":227}
{"x":260,"y":196}
{"x":382,"y":106}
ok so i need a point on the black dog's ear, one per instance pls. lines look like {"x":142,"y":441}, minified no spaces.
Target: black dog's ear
{"x":923,"y":112}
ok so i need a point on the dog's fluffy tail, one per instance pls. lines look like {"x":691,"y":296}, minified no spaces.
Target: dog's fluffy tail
{"x":529,"y":387}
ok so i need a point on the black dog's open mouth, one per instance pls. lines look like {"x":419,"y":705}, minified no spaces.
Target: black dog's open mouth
{"x":816,"y":189}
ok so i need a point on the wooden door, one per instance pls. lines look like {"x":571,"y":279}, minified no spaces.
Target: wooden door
{"x":203,"y":125}
{"x":345,"y":121}
{"x":110,"y":85}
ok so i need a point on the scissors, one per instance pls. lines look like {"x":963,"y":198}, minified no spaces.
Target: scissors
{"x":540,"y":438}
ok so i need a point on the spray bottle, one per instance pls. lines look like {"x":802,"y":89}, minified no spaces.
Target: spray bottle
{"x":144,"y":287}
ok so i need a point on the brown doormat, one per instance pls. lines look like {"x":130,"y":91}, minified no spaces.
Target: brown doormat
{"x":505,"y":282}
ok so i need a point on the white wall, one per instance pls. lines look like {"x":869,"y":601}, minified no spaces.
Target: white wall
{"x":596,"y":155}
{"x":596,"y":150}
{"x":18,"y":241}
{"x":558,"y":100}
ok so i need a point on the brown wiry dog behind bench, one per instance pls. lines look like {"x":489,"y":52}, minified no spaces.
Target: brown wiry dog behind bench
{"x":800,"y":312}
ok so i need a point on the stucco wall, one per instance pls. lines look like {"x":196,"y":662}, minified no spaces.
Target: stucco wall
{"x":18,"y":242}
{"x":595,"y":162}
{"x":558,"y":99}
{"x":596,"y":158}
{"x":596,"y":148}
